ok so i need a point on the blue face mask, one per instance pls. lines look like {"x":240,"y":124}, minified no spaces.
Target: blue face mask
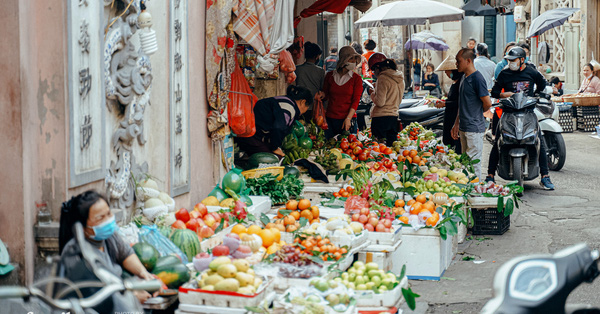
{"x":526,"y":59}
{"x":105,"y":230}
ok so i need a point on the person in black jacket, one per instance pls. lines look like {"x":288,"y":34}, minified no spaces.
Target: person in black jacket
{"x":274,"y":118}
{"x":451,"y":102}
{"x":517,"y":77}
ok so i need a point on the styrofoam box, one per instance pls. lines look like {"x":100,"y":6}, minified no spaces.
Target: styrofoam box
{"x":425,"y":254}
{"x":385,"y":241}
{"x":260,"y":204}
{"x":215,"y":240}
{"x":368,"y":298}
{"x":313,"y":191}
{"x":484,"y":202}
{"x":194,"y":308}
{"x":224,"y":299}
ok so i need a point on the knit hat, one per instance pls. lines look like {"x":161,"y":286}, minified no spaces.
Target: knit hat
{"x":448,"y":65}
{"x":345,"y":54}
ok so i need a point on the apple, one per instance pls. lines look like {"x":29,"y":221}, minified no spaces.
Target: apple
{"x":201,"y":209}
{"x":373,"y":221}
{"x":380,"y":227}
{"x":370,"y":227}
{"x":387,"y":223}
{"x":363,"y":219}
{"x":372,"y":215}
{"x":220,"y":250}
{"x":355,"y":217}
{"x":364,"y":211}
{"x":209,"y":220}
{"x":206,"y":232}
{"x":195,"y":214}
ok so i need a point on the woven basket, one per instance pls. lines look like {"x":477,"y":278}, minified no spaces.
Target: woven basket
{"x":361,"y":5}
{"x":586,"y":101}
{"x":255,"y":173}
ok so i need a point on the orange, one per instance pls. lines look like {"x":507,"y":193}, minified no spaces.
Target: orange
{"x":427,"y":154}
{"x":295,"y":214}
{"x":409,"y":159}
{"x":416,"y":159}
{"x":415,"y":208}
{"x":405,"y":153}
{"x":401,"y":158}
{"x":273,"y":248}
{"x":316,"y":220}
{"x":412,"y":153}
{"x":289,"y":220}
{"x":291,"y":205}
{"x":238,"y":229}
{"x":410,"y":202}
{"x":307,"y":214}
{"x":276,"y":233}
{"x":314,"y":210}
{"x":280,"y":226}
{"x":270,"y":225}
{"x":254,"y":229}
{"x":399,"y":203}
{"x":432,"y":221}
{"x":422,"y":163}
{"x":421,"y":199}
{"x":424,"y":210}
{"x":291,"y":228}
{"x":404,"y":219}
{"x":304,"y":203}
{"x":267,"y":236}
{"x":429,"y":207}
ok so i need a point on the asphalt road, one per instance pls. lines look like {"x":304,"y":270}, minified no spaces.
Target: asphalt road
{"x":546,"y":221}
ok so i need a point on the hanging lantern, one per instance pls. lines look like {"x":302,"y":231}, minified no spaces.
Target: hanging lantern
{"x":147,"y":34}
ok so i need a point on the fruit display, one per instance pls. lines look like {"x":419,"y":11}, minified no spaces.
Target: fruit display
{"x":278,"y":190}
{"x":293,"y":262}
{"x":413,"y":132}
{"x":439,"y":185}
{"x":290,"y":216}
{"x":224,"y":274}
{"x":172,"y":274}
{"x":491,"y":189}
{"x":187,"y":241}
{"x":368,"y":276}
{"x":371,"y":221}
{"x":321,"y":296}
{"x":340,"y":226}
{"x":200,"y":221}
{"x":320,"y":247}
{"x":256,"y":237}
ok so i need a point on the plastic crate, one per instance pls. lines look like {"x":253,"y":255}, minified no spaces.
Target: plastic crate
{"x":255,"y":173}
{"x":488,"y":221}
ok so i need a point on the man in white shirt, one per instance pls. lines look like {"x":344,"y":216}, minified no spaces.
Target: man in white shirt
{"x":484,"y":65}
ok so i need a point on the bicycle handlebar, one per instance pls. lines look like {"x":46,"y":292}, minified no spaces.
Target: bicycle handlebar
{"x":13,"y":292}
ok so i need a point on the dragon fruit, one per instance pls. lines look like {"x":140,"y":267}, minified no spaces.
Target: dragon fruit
{"x":239,"y":210}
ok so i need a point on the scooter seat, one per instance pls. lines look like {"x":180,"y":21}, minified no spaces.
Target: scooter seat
{"x":407,"y":103}
{"x":418,"y":113}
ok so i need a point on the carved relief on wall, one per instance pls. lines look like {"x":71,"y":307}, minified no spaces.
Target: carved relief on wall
{"x":128,"y":80}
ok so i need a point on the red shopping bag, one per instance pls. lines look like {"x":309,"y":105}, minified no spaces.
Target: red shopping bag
{"x":240,"y":109}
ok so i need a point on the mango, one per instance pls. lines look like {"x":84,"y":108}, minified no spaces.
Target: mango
{"x":241,"y":265}
{"x":213,"y":280}
{"x":221,"y":260}
{"x":229,"y":284}
{"x":227,"y":271}
{"x":210,"y":201}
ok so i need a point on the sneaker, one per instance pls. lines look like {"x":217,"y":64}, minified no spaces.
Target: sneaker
{"x":490,"y":179}
{"x":547,"y":184}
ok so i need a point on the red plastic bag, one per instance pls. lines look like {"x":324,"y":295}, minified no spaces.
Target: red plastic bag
{"x":240,"y":109}
{"x":319,"y":113}
{"x":286,"y":63}
{"x":354,"y":204}
{"x":290,"y":77}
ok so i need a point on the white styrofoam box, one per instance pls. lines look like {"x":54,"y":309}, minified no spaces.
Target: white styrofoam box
{"x":215,"y":240}
{"x":484,"y":202}
{"x":313,"y":191}
{"x":368,"y":298}
{"x":260,"y":204}
{"x":330,"y":212}
{"x":425,"y":254}
{"x":194,"y":308}
{"x":385,"y":241}
{"x":354,"y":242}
{"x":223,"y":298}
{"x":383,"y":259}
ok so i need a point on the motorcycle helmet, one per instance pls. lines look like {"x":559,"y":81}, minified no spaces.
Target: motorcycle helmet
{"x":376,"y":58}
{"x":515,"y":53}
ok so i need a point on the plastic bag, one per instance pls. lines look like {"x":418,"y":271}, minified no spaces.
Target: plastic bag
{"x":164,"y":246}
{"x":354,"y":204}
{"x":240,"y":109}
{"x":286,"y":63}
{"x":290,"y":77}
{"x":130,"y":233}
{"x":319,"y":114}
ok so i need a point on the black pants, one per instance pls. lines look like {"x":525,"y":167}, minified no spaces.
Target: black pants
{"x":334,"y":127}
{"x":449,"y":119}
{"x":253,"y":144}
{"x":385,"y":128}
{"x":495,"y":156}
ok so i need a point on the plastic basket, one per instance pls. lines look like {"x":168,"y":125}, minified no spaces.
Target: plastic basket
{"x":489,"y":221}
{"x":255,"y":173}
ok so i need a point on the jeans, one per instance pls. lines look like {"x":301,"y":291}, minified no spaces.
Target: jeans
{"x":495,"y":157}
{"x":385,"y":128}
{"x":472,"y":144}
{"x":334,"y":127}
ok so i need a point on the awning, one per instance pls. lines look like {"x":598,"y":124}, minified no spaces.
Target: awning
{"x":333,"y":6}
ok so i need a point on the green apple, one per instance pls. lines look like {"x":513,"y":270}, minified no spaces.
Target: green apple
{"x":345,"y":282}
{"x":387,"y":283}
{"x":352,"y":277}
{"x":313,"y":299}
{"x":333,"y":284}
{"x":351,"y":286}
{"x":370,"y":285}
{"x":344,"y":298}
{"x":361,"y":287}
{"x":333,"y":299}
{"x":372,"y":266}
{"x":345,"y":276}
{"x":376,"y":280}
{"x":358,"y":264}
{"x":359,"y":280}
{"x":360,"y":272}
{"x":352,"y":271}
{"x":373,"y":272}
{"x":338,"y":279}
{"x":383,"y":288}
{"x":322,"y":285}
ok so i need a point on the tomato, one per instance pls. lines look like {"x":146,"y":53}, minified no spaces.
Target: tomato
{"x":353,"y":157}
{"x":352,"y":138}
{"x":353,"y":145}
{"x":375,"y":148}
{"x":193,"y":224}
{"x":360,"y":144}
{"x":388,"y":151}
{"x":336,"y":194}
{"x":357,"y":150}
{"x":178,"y":225}
{"x":363,"y":156}
{"x":382,"y":147}
{"x":344,"y":145}
{"x":182,"y":215}
{"x":376,"y":166}
{"x":388,"y":163}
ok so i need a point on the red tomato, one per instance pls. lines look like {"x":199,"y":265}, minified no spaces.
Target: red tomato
{"x":201,"y":208}
{"x":353,"y":145}
{"x":182,"y":215}
{"x":362,"y":156}
{"x":382,"y":147}
{"x":344,"y":145}
{"x":178,"y":225}
{"x":192,"y":224}
{"x":352,"y":138}
{"x":353,"y":157}
{"x":376,"y":166}
{"x":357,"y":150}
{"x":388,"y":163}
{"x":375,"y":148}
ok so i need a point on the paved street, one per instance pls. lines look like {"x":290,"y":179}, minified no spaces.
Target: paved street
{"x":546,"y":222}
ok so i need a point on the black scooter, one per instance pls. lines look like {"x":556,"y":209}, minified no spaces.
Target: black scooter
{"x":518,"y":139}
{"x":542,"y":283}
{"x":417,"y":110}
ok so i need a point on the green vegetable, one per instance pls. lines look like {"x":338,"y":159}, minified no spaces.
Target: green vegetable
{"x":147,"y":254}
{"x":305,"y":142}
{"x":291,"y":170}
{"x":234,"y":180}
{"x":173,"y":275}
{"x":279,"y":191}
{"x":262,"y":158}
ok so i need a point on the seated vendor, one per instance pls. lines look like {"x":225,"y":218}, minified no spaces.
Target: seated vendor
{"x":92,"y":211}
{"x":590,"y":83}
{"x":274,"y":118}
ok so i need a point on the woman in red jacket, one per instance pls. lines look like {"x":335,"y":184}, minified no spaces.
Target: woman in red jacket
{"x":342,"y":89}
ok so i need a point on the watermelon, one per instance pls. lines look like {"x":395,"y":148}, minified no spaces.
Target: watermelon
{"x":167,"y":261}
{"x":172,"y":275}
{"x":187,"y":241}
{"x":147,"y":254}
{"x":258,"y":159}
{"x":291,"y":170}
{"x":298,"y":129}
{"x":305,"y":142}
{"x":165,"y":231}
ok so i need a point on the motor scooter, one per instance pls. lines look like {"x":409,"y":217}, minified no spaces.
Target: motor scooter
{"x":542,"y":283}
{"x":411,"y":110}
{"x":109,"y":286}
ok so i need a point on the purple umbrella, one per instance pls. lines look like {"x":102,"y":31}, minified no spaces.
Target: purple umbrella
{"x":426,"y":40}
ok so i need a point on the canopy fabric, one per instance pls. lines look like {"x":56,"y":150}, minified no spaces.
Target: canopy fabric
{"x":410,"y":12}
{"x":474,"y":8}
{"x":254,"y":23}
{"x":550,"y":19}
{"x":426,"y":40}
{"x":333,"y":6}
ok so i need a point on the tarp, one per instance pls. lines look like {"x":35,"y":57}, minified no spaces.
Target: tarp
{"x":333,"y":6}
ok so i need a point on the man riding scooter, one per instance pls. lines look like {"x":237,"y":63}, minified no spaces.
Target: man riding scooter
{"x":518,"y":77}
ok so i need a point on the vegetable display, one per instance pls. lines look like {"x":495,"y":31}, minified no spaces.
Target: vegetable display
{"x":279,"y":191}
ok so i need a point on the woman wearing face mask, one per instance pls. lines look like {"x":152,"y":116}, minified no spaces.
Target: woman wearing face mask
{"x":451,"y":103}
{"x":386,"y":98}
{"x":342,"y":89}
{"x":92,"y":211}
{"x":590,"y":83}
